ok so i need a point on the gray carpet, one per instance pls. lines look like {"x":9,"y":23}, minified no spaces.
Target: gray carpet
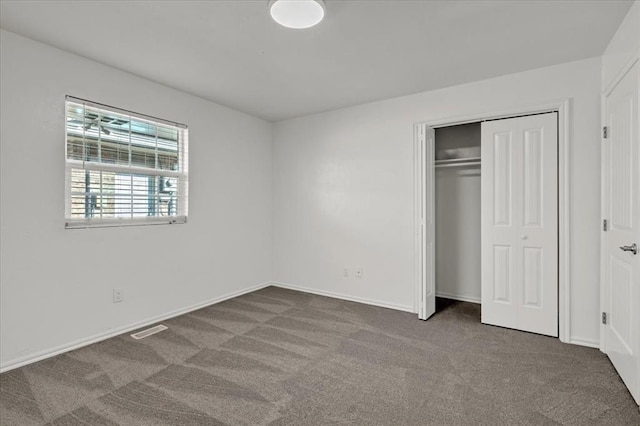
{"x":280,"y":357}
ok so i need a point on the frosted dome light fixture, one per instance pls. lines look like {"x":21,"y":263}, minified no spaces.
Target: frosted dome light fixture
{"x":297,"y":13}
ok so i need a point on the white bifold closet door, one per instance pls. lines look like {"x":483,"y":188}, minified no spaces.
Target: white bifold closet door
{"x":520,"y":223}
{"x":425,"y":152}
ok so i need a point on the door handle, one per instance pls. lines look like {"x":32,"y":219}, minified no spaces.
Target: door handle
{"x":633,"y":248}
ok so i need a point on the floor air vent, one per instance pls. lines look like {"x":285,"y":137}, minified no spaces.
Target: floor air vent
{"x":149,"y":331}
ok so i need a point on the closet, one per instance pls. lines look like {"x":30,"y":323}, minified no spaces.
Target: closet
{"x":489,"y":219}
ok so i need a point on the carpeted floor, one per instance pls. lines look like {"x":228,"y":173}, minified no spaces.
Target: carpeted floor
{"x":281,"y":357}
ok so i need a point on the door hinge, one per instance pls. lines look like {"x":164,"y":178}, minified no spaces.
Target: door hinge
{"x":604,"y":317}
{"x":605,"y":225}
{"x":604,"y":132}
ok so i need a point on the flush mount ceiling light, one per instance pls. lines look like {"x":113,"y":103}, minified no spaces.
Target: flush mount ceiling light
{"x":297,"y":13}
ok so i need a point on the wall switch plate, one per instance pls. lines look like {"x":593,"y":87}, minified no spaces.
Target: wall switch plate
{"x":345,"y":272}
{"x":359,"y":272}
{"x":118,"y":295}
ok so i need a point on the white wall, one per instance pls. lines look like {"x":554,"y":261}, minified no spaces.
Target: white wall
{"x":343,"y":187}
{"x":623,"y":47}
{"x":56,"y":288}
{"x":458,"y":242}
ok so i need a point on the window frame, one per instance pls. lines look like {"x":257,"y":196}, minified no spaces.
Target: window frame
{"x":182,"y":174}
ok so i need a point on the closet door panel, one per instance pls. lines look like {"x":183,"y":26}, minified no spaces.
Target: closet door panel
{"x":533,"y":175}
{"x":532,"y":277}
{"x":519,"y":217}
{"x":503,"y":280}
{"x":502,"y":164}
{"x":499,"y":255}
{"x":538,"y":224}
{"x":425,"y":153}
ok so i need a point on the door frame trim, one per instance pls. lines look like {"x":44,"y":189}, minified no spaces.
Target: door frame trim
{"x":604,"y":194}
{"x":562,"y":107}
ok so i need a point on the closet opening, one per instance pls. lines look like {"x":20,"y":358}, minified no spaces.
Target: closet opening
{"x":457,"y":212}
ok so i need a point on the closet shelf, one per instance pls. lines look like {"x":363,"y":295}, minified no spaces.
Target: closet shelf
{"x":458,"y":162}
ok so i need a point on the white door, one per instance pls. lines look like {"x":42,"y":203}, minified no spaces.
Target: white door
{"x":621,"y":264}
{"x":426,"y":269}
{"x":520,"y":223}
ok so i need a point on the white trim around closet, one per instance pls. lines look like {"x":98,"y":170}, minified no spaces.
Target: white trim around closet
{"x":562,"y":107}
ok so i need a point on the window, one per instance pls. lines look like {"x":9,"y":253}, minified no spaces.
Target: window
{"x":123,"y":168}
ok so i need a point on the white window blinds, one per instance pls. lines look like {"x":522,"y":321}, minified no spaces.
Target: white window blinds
{"x":123,"y":168}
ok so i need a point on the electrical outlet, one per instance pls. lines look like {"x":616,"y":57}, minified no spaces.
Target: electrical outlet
{"x":359,"y":272}
{"x":118,"y":295}
{"x":345,"y":272}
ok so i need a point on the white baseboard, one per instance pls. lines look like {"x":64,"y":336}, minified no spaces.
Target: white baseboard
{"x":590,"y":343}
{"x":456,"y":297}
{"x":344,"y":297}
{"x":48,"y":353}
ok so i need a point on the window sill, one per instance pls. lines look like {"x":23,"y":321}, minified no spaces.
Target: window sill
{"x":110,"y":223}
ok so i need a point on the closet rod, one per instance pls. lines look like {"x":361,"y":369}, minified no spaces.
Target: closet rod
{"x":474,"y":163}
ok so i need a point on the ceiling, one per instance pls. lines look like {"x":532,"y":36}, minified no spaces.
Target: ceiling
{"x":232,"y":53}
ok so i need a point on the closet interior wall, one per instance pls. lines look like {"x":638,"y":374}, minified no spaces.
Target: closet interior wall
{"x":458,"y":212}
